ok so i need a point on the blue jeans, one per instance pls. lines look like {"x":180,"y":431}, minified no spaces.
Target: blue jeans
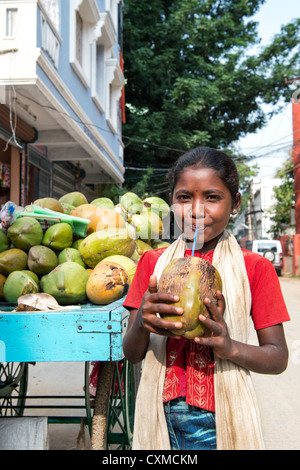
{"x":190,"y":427}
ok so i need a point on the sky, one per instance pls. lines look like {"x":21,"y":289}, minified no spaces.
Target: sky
{"x":270,"y":144}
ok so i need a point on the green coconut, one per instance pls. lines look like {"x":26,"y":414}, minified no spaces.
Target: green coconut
{"x":70,"y":254}
{"x":19,"y":283}
{"x":74,"y":198}
{"x":77,"y":243}
{"x":58,"y":237}
{"x":111,"y":241}
{"x":4,"y":241}
{"x":33,"y":275}
{"x":103,"y":202}
{"x":2,"y":282}
{"x":155,"y":222}
{"x":159,"y":244}
{"x":142,"y":225}
{"x":121,"y":210}
{"x":50,"y":203}
{"x":25,"y":232}
{"x":157,"y":205}
{"x":140,"y":248}
{"x":41,"y":260}
{"x":67,"y":207}
{"x":127,"y":263}
{"x":66,"y":283}
{"x":131,"y":203}
{"x":13,"y":259}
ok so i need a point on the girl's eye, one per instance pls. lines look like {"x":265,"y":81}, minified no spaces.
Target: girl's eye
{"x":183,"y":197}
{"x":213,"y":197}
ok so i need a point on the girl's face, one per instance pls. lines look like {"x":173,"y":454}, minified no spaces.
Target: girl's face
{"x":201,"y":200}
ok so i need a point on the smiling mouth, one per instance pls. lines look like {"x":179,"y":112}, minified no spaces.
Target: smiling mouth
{"x":198,"y":227}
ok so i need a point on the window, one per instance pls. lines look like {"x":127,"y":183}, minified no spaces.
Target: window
{"x":261,"y":247}
{"x":40,"y":174}
{"x":79,"y":37}
{"x":51,"y":7}
{"x":84,"y":18}
{"x":11,"y":19}
{"x":100,"y":72}
{"x":115,"y":82}
{"x":111,"y":7}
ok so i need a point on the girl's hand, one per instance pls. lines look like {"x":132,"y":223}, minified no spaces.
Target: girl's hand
{"x":216,"y":335}
{"x":157,"y":302}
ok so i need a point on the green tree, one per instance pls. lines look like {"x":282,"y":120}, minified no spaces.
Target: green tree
{"x":144,"y":184}
{"x":190,"y":79}
{"x":284,"y":195}
{"x":141,"y":187}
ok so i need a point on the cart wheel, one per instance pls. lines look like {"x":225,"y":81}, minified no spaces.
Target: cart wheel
{"x":88,"y":398}
{"x":132,"y":378}
{"x":13,"y":388}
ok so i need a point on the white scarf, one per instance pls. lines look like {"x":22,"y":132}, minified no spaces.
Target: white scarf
{"x":237,"y":415}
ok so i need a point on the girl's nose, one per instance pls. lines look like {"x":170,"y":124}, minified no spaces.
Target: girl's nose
{"x":197,"y":210}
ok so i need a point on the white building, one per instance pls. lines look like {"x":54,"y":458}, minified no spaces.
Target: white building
{"x":255,"y":223}
{"x":262,"y":200}
{"x":61,"y":85}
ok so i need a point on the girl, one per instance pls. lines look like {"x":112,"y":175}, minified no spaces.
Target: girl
{"x":197,"y":394}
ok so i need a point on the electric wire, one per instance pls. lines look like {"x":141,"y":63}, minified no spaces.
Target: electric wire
{"x":254,"y":153}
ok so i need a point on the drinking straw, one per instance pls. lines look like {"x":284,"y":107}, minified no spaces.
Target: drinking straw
{"x":194,"y":242}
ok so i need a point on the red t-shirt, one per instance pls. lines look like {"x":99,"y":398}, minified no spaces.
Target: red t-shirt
{"x":189,"y":366}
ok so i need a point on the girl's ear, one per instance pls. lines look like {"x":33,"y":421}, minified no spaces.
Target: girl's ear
{"x":170,"y":199}
{"x":236,"y":204}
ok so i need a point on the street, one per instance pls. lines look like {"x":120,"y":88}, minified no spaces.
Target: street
{"x":278,"y":396}
{"x":59,"y":379}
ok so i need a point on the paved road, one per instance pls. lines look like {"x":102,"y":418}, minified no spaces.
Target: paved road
{"x":58,"y":379}
{"x":278,"y":396}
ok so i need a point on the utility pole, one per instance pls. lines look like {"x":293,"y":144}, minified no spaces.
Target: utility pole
{"x":296,"y":147}
{"x":296,"y":161}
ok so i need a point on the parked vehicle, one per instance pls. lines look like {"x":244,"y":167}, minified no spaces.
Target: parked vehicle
{"x":270,"y":249}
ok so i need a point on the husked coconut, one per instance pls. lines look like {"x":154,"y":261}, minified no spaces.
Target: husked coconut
{"x":192,"y":279}
{"x":107,"y":283}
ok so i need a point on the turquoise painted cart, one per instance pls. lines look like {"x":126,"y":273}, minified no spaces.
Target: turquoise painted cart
{"x":85,"y":333}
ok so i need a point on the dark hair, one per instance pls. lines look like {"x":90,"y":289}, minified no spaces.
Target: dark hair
{"x":206,"y":157}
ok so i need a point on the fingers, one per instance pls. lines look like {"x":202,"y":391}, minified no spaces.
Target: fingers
{"x":215,"y":325}
{"x":216,"y":310}
{"x":221,"y":301}
{"x":214,"y":328}
{"x":156,"y":324}
{"x":152,"y":287}
{"x":163,"y":327}
{"x":160,"y":297}
{"x":160,"y":303}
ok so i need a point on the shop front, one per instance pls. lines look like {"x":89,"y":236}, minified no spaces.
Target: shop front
{"x":15,"y":135}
